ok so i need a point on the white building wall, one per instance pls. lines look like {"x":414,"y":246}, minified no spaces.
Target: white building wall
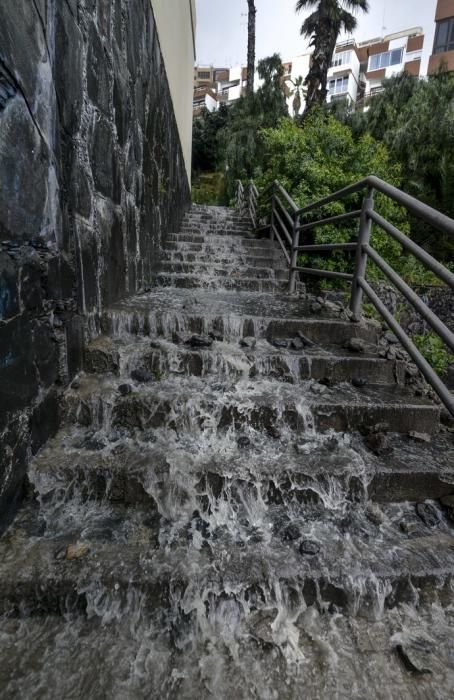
{"x":176,"y":24}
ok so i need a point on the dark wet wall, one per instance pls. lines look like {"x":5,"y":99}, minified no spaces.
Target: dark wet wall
{"x":92,"y":178}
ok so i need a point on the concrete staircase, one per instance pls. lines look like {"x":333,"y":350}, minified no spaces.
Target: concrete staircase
{"x":230,"y":447}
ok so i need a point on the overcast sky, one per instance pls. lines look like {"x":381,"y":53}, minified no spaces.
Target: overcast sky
{"x":222,"y":27}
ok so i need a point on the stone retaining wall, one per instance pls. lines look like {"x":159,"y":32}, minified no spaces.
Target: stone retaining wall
{"x":92,"y":177}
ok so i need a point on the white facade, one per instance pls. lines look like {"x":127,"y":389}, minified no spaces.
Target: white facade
{"x":299,"y":68}
{"x":176,"y":25}
{"x":343,"y":76}
{"x":391,"y":61}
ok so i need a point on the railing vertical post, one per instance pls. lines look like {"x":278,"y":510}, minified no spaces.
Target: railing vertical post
{"x":272,"y":220}
{"x":365,"y":230}
{"x":293,"y":274}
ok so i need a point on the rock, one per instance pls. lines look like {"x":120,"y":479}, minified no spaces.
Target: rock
{"x":447,"y":501}
{"x":419,"y":437}
{"x":291,"y":533}
{"x":411,"y":370}
{"x":199,"y":341}
{"x":125,"y":389}
{"x":316,"y":307}
{"x":273,"y":432}
{"x":378,"y":443}
{"x":391,"y":338}
{"x":217,"y":387}
{"x":355,"y":345}
{"x":318,"y":389}
{"x":76,"y":551}
{"x":309,"y":343}
{"x":391,"y":354}
{"x":410,"y":528}
{"x":216,"y":335}
{"x":279,"y":343}
{"x":155,"y":344}
{"x":75,"y":384}
{"x":309,"y":548}
{"x":428,"y":514}
{"x":297,"y":344}
{"x":416,"y":654}
{"x":243,"y":442}
{"x":359,"y":382}
{"x":248,"y":342}
{"x":382,"y":353}
{"x":260,"y":627}
{"x":141,"y":375}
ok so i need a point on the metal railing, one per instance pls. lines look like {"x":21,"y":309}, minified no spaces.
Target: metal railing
{"x":287,"y":223}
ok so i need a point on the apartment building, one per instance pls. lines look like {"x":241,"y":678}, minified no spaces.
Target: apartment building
{"x":356,"y":73}
{"x":443,"y":49}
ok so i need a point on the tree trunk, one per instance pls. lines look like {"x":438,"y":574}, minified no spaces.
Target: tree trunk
{"x":324,"y":46}
{"x":251,"y":47}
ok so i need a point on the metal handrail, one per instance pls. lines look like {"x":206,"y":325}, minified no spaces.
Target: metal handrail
{"x":286,"y":226}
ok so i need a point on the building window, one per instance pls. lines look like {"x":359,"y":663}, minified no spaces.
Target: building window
{"x":341,"y":59}
{"x":338,"y":86}
{"x":203,"y":75}
{"x":444,"y":36}
{"x":383,"y":60}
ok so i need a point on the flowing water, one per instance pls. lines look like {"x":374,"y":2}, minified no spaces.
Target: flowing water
{"x":228,"y":546}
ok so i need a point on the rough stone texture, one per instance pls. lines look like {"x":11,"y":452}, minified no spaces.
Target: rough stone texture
{"x":92,"y":178}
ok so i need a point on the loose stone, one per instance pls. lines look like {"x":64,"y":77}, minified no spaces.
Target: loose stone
{"x":141,"y":375}
{"x":318,"y":389}
{"x":279,"y":343}
{"x":309,"y":548}
{"x":248,"y":342}
{"x":391,"y":338}
{"x":359,"y":382}
{"x":125,"y":389}
{"x":419,"y":437}
{"x":416,"y":655}
{"x":243,"y":442}
{"x":76,"y":551}
{"x":297,"y":344}
{"x":309,"y":343}
{"x":291,"y":533}
{"x":200,"y":341}
{"x":355,"y":345}
{"x":428,"y":514}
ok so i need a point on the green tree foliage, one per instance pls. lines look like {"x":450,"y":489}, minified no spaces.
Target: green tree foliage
{"x":207,"y":151}
{"x":320,"y":158}
{"x":415,"y":120}
{"x":241,"y":137}
{"x":323,"y":26}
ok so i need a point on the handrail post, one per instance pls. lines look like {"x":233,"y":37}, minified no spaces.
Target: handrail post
{"x":293,"y":274}
{"x":365,"y":230}
{"x":273,"y":207}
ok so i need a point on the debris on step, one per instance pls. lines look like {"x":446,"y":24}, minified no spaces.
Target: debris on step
{"x":141,"y":375}
{"x":359,"y":382}
{"x":428,"y":514}
{"x":200,"y":341}
{"x":391,"y":338}
{"x":248,"y":342}
{"x":309,"y":548}
{"x":124,"y":389}
{"x":318,"y":389}
{"x":419,"y":437}
{"x":355,"y":345}
{"x":416,"y":653}
{"x":76,"y":551}
{"x":279,"y":343}
{"x":297,"y":344}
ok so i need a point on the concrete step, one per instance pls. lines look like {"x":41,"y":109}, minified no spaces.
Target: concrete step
{"x":194,"y":281}
{"x":233,"y":314}
{"x":235,"y":270}
{"x":190,"y":405}
{"x":229,"y":360}
{"x":271,"y":259}
{"x":371,"y":571}
{"x":221,"y":241}
{"x":326,"y":470}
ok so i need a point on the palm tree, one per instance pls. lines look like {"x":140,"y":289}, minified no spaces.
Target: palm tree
{"x":323,"y":26}
{"x":251,"y":47}
{"x":297,"y":94}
